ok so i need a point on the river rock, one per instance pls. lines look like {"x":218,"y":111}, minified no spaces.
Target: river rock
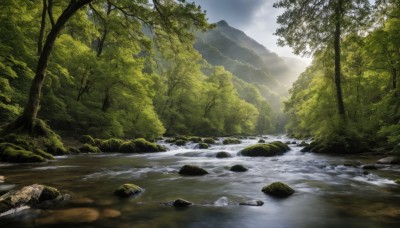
{"x":231,"y":141}
{"x":265,"y":150}
{"x":192,"y":170}
{"x":278,"y":189}
{"x":238,"y":168}
{"x":389,"y":161}
{"x":352,"y":163}
{"x":181,"y":203}
{"x":110,"y":213}
{"x":2,"y":179}
{"x":202,"y":146}
{"x":252,"y":203}
{"x":127,"y":190}
{"x":223,"y":201}
{"x":70,"y":216}
{"x":261,"y":141}
{"x":209,"y":140}
{"x":28,"y":196}
{"x":180,"y":142}
{"x":303,"y":144}
{"x":369,"y":167}
{"x":223,"y":154}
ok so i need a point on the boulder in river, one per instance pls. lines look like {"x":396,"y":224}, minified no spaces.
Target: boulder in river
{"x":397,"y":181}
{"x":202,"y":146}
{"x":389,"y":161}
{"x":127,"y":190}
{"x":255,"y":203}
{"x":110,"y":145}
{"x":261,"y":141}
{"x":146,"y":147}
{"x":278,"y":189}
{"x":369,"y":167}
{"x":209,"y":140}
{"x":231,"y":141}
{"x":238,"y":168}
{"x":180,"y":203}
{"x":2,"y":179}
{"x":30,"y":196}
{"x":192,"y":170}
{"x":265,"y":150}
{"x":87,"y":148}
{"x":223,"y":154}
{"x":180,"y":142}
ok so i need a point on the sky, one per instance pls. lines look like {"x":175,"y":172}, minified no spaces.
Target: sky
{"x":257,"y":18}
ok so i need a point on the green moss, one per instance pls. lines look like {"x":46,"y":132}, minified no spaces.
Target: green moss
{"x":180,"y":142}
{"x":73,"y":150}
{"x":278,"y":189}
{"x":145,"y":146}
{"x":86,"y":139}
{"x":231,"y":141}
{"x":184,"y":138}
{"x":128,"y":147}
{"x":127,"y":190}
{"x":97,"y":142}
{"x":261,"y":141}
{"x":397,"y":181}
{"x":209,"y":140}
{"x":111,"y":145}
{"x":10,"y":154}
{"x":192,"y":170}
{"x":49,"y":193}
{"x":87,"y":148}
{"x":170,"y":140}
{"x":202,"y":146}
{"x":195,"y":139}
{"x":265,"y":150}
{"x":44,"y":154}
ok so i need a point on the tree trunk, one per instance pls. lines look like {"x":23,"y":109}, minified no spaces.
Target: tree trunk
{"x":42,"y":28}
{"x":394,"y":79}
{"x":32,"y":107}
{"x":337,"y":61}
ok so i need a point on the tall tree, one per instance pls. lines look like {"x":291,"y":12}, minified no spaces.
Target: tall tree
{"x":315,"y":25}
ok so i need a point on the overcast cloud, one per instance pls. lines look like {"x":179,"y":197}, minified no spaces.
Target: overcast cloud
{"x":257,"y":18}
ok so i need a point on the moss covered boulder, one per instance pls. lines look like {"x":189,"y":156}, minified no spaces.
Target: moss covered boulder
{"x":144,"y":146}
{"x":16,"y":154}
{"x":231,"y":141}
{"x":87,"y":148}
{"x":128,"y":147}
{"x":278,"y":189}
{"x":180,"y":142}
{"x":127,"y":190}
{"x":209,"y":140}
{"x":192,"y":170}
{"x":195,"y":139}
{"x":32,"y":195}
{"x":202,"y":146}
{"x":86,"y":139}
{"x":261,"y":141}
{"x":397,"y":181}
{"x":238,"y":168}
{"x":265,"y":150}
{"x":223,"y":154}
{"x":110,"y":145}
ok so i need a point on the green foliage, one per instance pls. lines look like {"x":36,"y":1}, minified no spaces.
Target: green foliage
{"x":88,"y":148}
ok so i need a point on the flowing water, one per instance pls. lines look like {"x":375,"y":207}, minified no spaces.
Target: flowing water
{"x":328,"y":193}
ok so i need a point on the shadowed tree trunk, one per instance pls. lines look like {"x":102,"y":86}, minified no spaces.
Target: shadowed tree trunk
{"x":26,"y":121}
{"x":338,"y":13}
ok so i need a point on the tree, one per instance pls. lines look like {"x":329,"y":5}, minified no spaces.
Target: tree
{"x":314,"y":25}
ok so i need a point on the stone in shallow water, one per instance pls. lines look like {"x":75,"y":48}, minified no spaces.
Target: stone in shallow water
{"x":238,"y":168}
{"x":110,"y":213}
{"x":223,"y":201}
{"x":370,"y":167}
{"x":81,"y":201}
{"x":278,"y":189}
{"x":252,"y":203}
{"x":127,"y":190}
{"x":223,"y":154}
{"x":389,"y":160}
{"x":178,"y":203}
{"x":191,"y":170}
{"x":71,"y":216}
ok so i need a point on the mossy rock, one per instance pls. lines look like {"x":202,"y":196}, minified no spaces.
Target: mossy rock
{"x":223,"y":154}
{"x":16,"y":154}
{"x":183,"y":138}
{"x":231,"y":141}
{"x":397,"y":181}
{"x":278,"y":189}
{"x":181,"y":203}
{"x":195,"y":139}
{"x":144,"y":146}
{"x":128,"y":147}
{"x":97,"y":142}
{"x":261,"y":141}
{"x":110,"y":145}
{"x":170,"y":140}
{"x":127,"y":190}
{"x":202,"y":146}
{"x":86,"y":139}
{"x":180,"y":142}
{"x":73,"y":150}
{"x":49,"y":193}
{"x":238,"y":168}
{"x":209,"y":140}
{"x":303,"y":144}
{"x":44,"y":154}
{"x":192,"y":170}
{"x":87,"y":148}
{"x":265,"y":150}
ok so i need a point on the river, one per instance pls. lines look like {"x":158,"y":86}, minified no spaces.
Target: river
{"x":328,"y":193}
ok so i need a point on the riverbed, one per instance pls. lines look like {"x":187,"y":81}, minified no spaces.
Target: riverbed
{"x":331,"y":191}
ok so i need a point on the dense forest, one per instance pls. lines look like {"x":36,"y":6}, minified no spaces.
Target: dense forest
{"x":133,"y":69}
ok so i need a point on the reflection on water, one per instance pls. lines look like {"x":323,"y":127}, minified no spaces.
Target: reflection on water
{"x":328,"y":193}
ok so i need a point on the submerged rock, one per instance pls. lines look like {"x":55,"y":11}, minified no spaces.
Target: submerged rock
{"x":256,"y":203}
{"x":278,"y":189}
{"x":223,"y":154}
{"x":238,"y":168}
{"x":369,"y":167}
{"x":178,"y":203}
{"x":261,"y":141}
{"x":389,"y":161}
{"x":223,"y":201}
{"x":191,"y":170}
{"x":70,"y":216}
{"x":127,"y":190}
{"x":32,"y":195}
{"x":265,"y":150}
{"x":110,"y":213}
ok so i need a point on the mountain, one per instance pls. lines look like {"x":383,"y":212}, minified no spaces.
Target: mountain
{"x":247,"y":59}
